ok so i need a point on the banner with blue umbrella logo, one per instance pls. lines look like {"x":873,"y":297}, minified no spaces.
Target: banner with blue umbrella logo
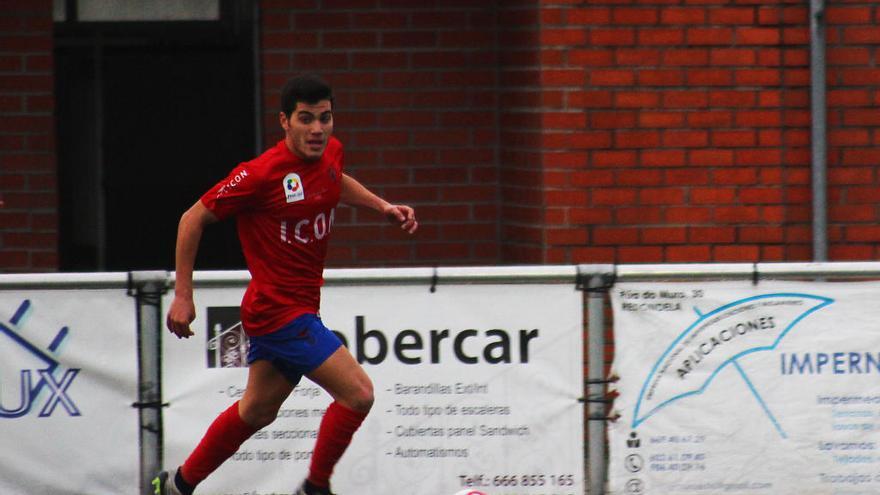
{"x":729,"y":387}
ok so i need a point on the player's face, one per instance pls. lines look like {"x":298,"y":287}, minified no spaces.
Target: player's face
{"x":308,"y":128}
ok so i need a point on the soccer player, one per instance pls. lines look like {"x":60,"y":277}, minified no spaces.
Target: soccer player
{"x":284,"y":202}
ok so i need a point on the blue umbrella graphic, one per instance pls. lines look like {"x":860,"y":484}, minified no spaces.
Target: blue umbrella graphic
{"x":720,"y":338}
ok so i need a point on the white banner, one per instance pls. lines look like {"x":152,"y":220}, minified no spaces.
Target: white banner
{"x":476,"y":386}
{"x":68,"y":377}
{"x":734,"y":388}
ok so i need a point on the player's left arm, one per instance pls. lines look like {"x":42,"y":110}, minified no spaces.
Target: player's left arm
{"x":355,"y":194}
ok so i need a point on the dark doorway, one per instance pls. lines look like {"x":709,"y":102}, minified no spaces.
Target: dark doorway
{"x":150,"y":115}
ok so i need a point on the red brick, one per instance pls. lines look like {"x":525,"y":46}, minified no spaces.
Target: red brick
{"x":858,"y":156}
{"x":636,"y":99}
{"x":756,"y":195}
{"x":593,"y":255}
{"x":736,"y":253}
{"x":685,"y":57}
{"x":661,"y":119}
{"x":791,"y":57}
{"x":738,"y":176}
{"x":732,"y":57}
{"x":685,"y":99}
{"x":566,"y":236}
{"x":661,"y":196}
{"x":712,"y":118}
{"x":852,"y":252}
{"x":563,"y":37}
{"x":638,"y":177}
{"x":689,"y":214}
{"x":614,"y":158}
{"x":796,"y":36}
{"x":640,"y":254}
{"x":710,"y":36}
{"x":861,"y":117}
{"x":563,"y":77}
{"x":591,"y":57}
{"x":712,"y":196}
{"x":859,"y":76}
{"x":737,"y":214}
{"x":661,"y":77}
{"x":851,"y":214}
{"x":590,"y":216}
{"x":691,"y":254}
{"x":664,"y":235}
{"x":636,"y":139}
{"x":757,"y":77}
{"x":710,"y":77}
{"x":614,"y":196}
{"x":686,"y":176}
{"x":642,"y":57}
{"x":379,"y":60}
{"x":637,"y":216}
{"x":849,"y":137}
{"x":660,"y":36}
{"x":610,"y":77}
{"x":621,"y":119}
{"x":634,"y":16}
{"x":588,"y":15}
{"x":710,"y":157}
{"x":685,"y":139}
{"x":863,"y":233}
{"x":848,"y":55}
{"x":663,"y":158}
{"x":592,"y":178}
{"x":732,"y":16}
{"x":467,"y":232}
{"x":861,"y":35}
{"x":615,"y":235}
{"x":613,"y":36}
{"x":678,"y":16}
{"x":758,"y":118}
{"x":711,"y":235}
{"x":849,"y":98}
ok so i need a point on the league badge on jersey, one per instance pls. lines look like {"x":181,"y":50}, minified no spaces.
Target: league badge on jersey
{"x":293,"y":188}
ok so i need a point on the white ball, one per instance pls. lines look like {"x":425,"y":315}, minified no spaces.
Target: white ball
{"x":471,"y":491}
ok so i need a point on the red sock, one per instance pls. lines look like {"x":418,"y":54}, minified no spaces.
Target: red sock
{"x":334,"y":435}
{"x":223,"y":438}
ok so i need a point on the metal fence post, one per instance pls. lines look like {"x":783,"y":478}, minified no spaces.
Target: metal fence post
{"x":597,"y":286}
{"x":148,"y":287}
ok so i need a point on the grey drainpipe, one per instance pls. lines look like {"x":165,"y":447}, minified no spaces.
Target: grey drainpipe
{"x":818,"y":131}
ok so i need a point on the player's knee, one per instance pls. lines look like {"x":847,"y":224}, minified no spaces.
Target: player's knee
{"x":259,"y":417}
{"x":362,"y":399}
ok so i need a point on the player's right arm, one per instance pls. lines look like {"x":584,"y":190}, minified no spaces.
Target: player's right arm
{"x":189,"y":233}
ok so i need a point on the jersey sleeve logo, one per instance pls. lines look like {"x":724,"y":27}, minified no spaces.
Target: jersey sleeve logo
{"x":293,"y":188}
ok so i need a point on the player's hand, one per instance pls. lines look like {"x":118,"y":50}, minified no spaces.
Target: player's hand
{"x":180,"y":315}
{"x":404,"y":215}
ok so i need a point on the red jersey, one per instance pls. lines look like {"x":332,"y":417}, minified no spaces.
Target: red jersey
{"x":284,"y":207}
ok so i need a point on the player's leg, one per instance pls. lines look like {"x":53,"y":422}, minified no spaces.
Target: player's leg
{"x":352,"y":390}
{"x":267,"y":388}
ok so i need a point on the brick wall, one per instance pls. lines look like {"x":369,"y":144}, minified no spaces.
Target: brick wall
{"x":853,"y":54}
{"x":416,"y":103}
{"x":28,"y":216}
{"x":690,"y":128}
{"x":529,"y":131}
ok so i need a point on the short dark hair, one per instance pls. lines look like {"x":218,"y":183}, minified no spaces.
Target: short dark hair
{"x":307,"y":88}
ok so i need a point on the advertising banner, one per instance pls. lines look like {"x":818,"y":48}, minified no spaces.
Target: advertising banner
{"x":68,"y":378}
{"x":477,"y":387}
{"x":734,"y":388}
